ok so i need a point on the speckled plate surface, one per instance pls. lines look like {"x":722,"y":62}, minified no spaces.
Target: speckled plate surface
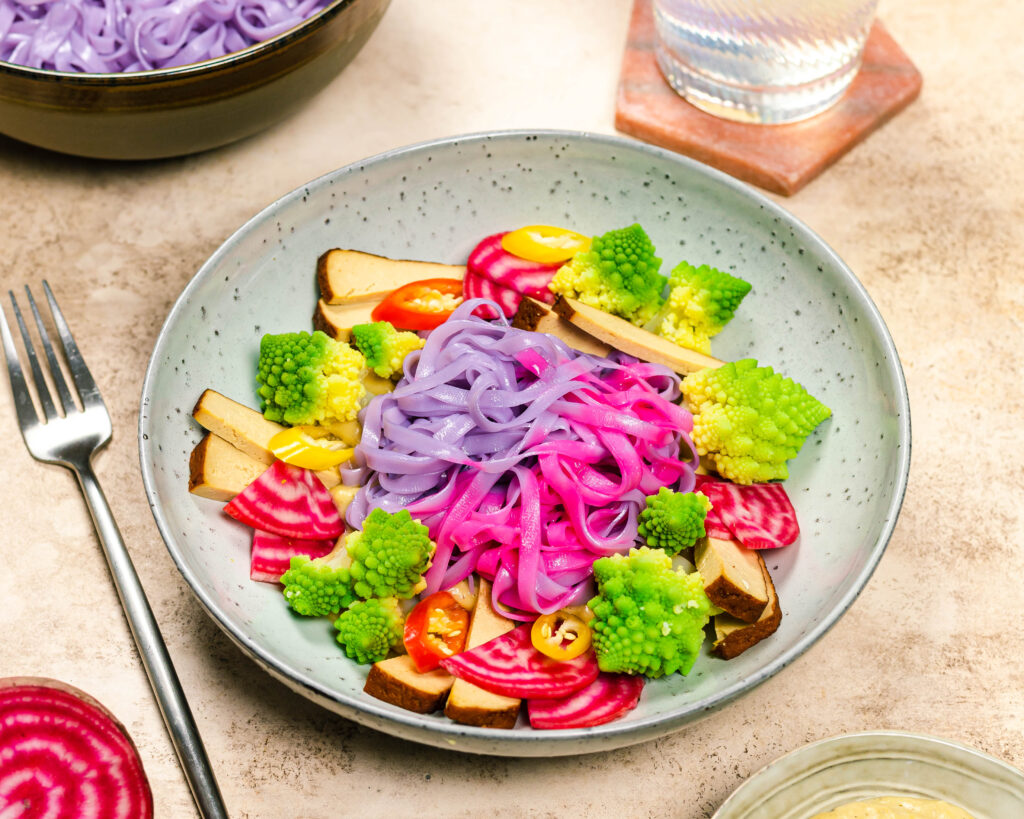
{"x":807,"y":315}
{"x":853,"y":767}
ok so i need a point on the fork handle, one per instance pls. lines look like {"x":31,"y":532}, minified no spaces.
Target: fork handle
{"x":162,"y":677}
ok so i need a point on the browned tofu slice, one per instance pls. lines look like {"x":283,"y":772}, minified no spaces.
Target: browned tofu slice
{"x":631,"y":339}
{"x":468,"y":703}
{"x":337,"y":320}
{"x":397,"y":681}
{"x":537,"y":316}
{"x":733,"y":577}
{"x":733,"y":637}
{"x":218,"y":471}
{"x":245,"y":429}
{"x":347,"y":276}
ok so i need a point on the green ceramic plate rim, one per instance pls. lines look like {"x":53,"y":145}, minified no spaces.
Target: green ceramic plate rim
{"x":651,"y":726}
{"x":814,"y":748}
{"x":181,"y":71}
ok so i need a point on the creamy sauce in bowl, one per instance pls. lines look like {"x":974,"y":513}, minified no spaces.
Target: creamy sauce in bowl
{"x":896,"y":807}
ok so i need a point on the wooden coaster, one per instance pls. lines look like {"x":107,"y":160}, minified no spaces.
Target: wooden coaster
{"x":778,"y":158}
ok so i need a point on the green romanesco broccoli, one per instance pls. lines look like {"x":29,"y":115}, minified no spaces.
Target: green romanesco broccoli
{"x":386,"y":559}
{"x":617,"y":274}
{"x":370,"y":629}
{"x":701,"y":301}
{"x":673,"y":521}
{"x":384,"y":347}
{"x":389,"y":555}
{"x":315,"y":588}
{"x":748,"y":420}
{"x":310,"y":379}
{"x":648,"y":618}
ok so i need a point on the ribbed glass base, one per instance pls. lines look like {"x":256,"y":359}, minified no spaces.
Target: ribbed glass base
{"x":763,"y":61}
{"x":768,"y":107}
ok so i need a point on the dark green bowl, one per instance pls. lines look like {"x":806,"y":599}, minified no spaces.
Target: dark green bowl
{"x":175,"y":111}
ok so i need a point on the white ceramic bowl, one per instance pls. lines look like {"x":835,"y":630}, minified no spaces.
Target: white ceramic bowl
{"x":807,"y":315}
{"x":826,"y":774}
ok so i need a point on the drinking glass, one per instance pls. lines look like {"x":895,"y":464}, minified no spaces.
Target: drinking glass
{"x":765,"y":61}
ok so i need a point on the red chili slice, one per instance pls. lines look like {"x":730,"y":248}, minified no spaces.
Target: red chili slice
{"x":288,"y":501}
{"x":760,"y":516}
{"x":509,"y":665}
{"x":272,"y":554}
{"x":605,"y":699}
{"x":491,"y":261}
{"x":420,"y":305}
{"x":435,"y":629}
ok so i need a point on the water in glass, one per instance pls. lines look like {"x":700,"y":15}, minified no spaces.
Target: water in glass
{"x":768,"y":61}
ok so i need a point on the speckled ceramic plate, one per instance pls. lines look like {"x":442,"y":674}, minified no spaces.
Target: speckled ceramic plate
{"x":826,"y":774}
{"x":807,"y":315}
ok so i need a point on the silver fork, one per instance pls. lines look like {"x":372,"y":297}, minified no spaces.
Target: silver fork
{"x":70,"y":438}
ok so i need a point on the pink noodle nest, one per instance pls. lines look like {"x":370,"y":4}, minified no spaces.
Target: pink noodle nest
{"x":526,"y":459}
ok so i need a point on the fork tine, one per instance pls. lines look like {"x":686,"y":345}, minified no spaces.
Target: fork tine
{"x":67,"y":402}
{"x":49,"y":410}
{"x":27,"y":416}
{"x":84,"y":383}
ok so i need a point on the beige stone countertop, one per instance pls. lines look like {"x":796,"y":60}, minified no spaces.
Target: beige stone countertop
{"x":929,"y":213}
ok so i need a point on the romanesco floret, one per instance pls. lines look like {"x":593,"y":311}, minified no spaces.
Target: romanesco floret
{"x":673,"y":521}
{"x":315,"y":588}
{"x":389,"y":555}
{"x":384,"y":347}
{"x":648,"y":618}
{"x":618,"y":274}
{"x":310,"y":378}
{"x":701,"y":301}
{"x":749,"y":420}
{"x":370,"y":629}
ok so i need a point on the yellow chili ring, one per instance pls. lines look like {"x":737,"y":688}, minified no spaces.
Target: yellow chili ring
{"x":561,"y":635}
{"x":544,"y":243}
{"x":299,"y":446}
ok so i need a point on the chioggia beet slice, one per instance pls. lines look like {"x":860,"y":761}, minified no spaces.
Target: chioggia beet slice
{"x":491,"y":261}
{"x":62,"y":754}
{"x":475,"y":286}
{"x":272,"y":554}
{"x":605,"y":699}
{"x":288,"y":501}
{"x":509,"y":665}
{"x":760,"y":516}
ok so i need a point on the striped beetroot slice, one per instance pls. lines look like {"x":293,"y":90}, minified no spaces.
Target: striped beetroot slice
{"x":509,"y":665}
{"x":605,"y":699}
{"x":288,"y":501}
{"x":713,"y":525}
{"x":491,"y":261}
{"x":272,"y":554}
{"x":62,"y":754}
{"x":475,"y":286}
{"x":760,"y":516}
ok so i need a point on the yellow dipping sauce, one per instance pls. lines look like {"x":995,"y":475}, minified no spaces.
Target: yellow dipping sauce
{"x":896,"y":807}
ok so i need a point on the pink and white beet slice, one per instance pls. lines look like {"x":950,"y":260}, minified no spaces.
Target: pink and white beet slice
{"x":607,"y":698}
{"x":288,"y":501}
{"x":509,"y":665}
{"x":62,"y":754}
{"x":491,"y":261}
{"x":759,"y":516}
{"x":272,"y":554}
